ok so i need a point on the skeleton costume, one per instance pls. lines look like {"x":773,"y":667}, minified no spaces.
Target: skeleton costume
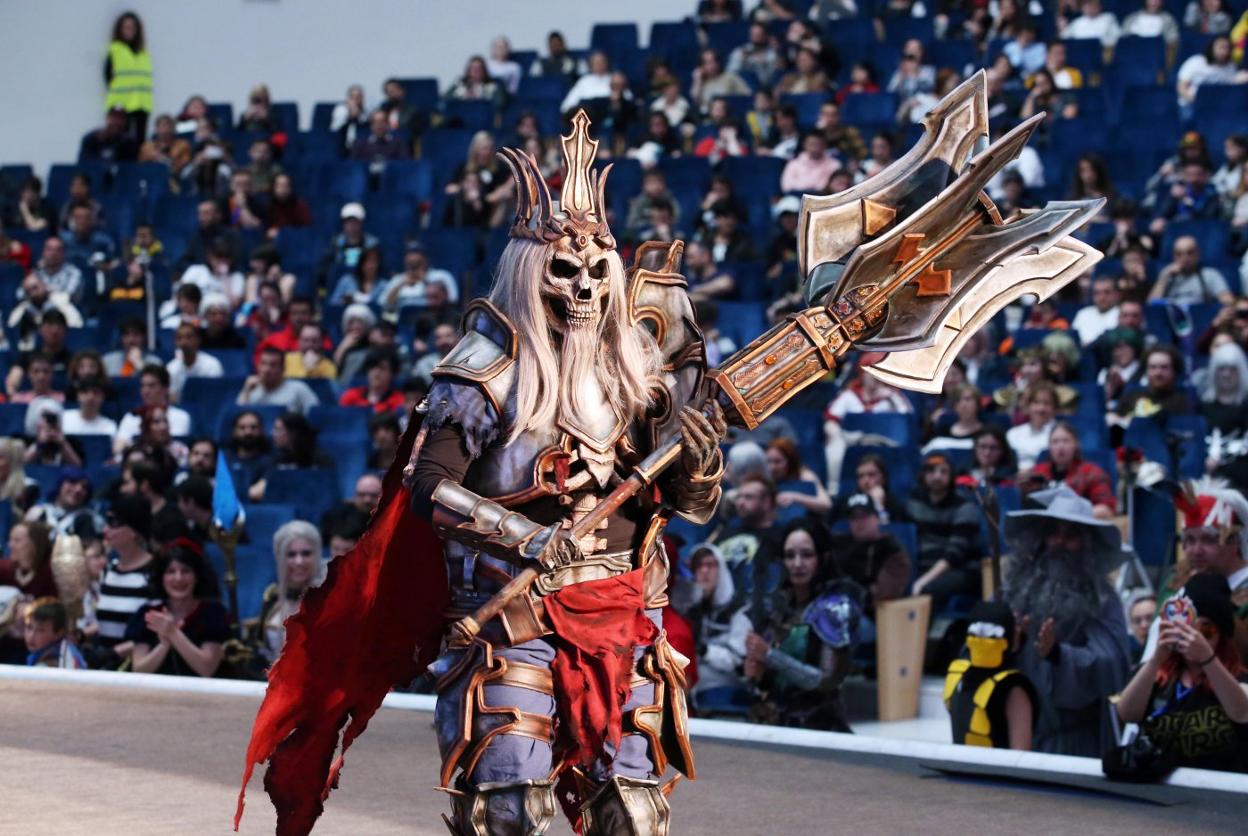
{"x":504,"y":496}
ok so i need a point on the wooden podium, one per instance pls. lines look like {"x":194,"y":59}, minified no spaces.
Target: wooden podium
{"x":901,"y":629}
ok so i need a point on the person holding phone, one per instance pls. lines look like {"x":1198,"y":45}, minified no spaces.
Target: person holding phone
{"x":1191,"y":696}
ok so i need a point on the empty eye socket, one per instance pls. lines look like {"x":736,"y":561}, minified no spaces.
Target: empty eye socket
{"x":599,"y":270}
{"x":561,"y":269}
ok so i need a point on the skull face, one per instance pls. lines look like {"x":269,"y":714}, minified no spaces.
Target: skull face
{"x":576,"y":288}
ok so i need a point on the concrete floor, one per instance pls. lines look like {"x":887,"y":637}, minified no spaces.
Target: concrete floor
{"x":99,"y":760}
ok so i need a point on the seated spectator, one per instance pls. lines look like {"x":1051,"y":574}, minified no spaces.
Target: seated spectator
{"x":993,"y":463}
{"x":947,"y":524}
{"x":660,"y":223}
{"x":1208,"y":17}
{"x":718,"y":622}
{"x":1065,"y":77}
{"x":1091,"y":180}
{"x":1123,"y":371}
{"x":861,"y":80}
{"x":80,"y":192}
{"x":362,"y":284}
{"x":712,"y":81}
{"x":809,"y":171}
{"x":189,"y":361}
{"x":1093,"y":22}
{"x":265,"y":265}
{"x":166,"y":147}
{"x":201,"y":460}
{"x":286,"y":208}
{"x":183,"y":630}
{"x":873,"y":559}
{"x":1163,"y":369}
{"x":210,"y":228}
{"x":653,"y":189}
{"x":378,"y":393}
{"x":154,"y":391}
{"x":501,"y":65}
{"x":1141,"y":609}
{"x":193,"y":519}
{"x":1093,"y":320}
{"x":728,"y":140}
{"x":47,"y":643}
{"x":183,"y":309}
{"x":69,"y":511}
{"x":1192,"y":198}
{"x":124,"y":584}
{"x":881,"y":157}
{"x":1031,"y":438}
{"x":956,"y":428}
{"x":269,"y":386}
{"x":863,"y":393}
{"x":13,"y":251}
{"x":294,"y":448}
{"x":218,"y":333}
{"x":258,"y":116}
{"x":1152,"y":21}
{"x":557,"y":61}
{"x":725,"y":239}
{"x":110,"y":143}
{"x":812,"y":623}
{"x":476,"y":84}
{"x":1229,"y":178}
{"x":445,"y":337}
{"x":348,"y":246}
{"x":16,"y":487}
{"x":39,"y":298}
{"x":784,"y":464}
{"x":751,"y":543}
{"x":1187,"y":280}
{"x":990,"y":702}
{"x":155,"y":443}
{"x":807,"y":76}
{"x":349,"y":118}
{"x":362,"y":502}
{"x":248,"y":450}
{"x":285,"y":338}
{"x":1191,"y":696}
{"x":38,"y":373}
{"x":411,"y":286}
{"x":871,"y":479}
{"x":28,"y":565}
{"x":357,"y":321}
{"x":594,"y":84}
{"x":33,"y":213}
{"x":216,"y":274}
{"x":151,"y":479}
{"x":1216,"y":65}
{"x":244,"y":208}
{"x":50,"y":447}
{"x":384,"y":431}
{"x":912,"y":75}
{"x":1066,"y":465}
{"x":380,"y":145}
{"x":1224,"y":396}
{"x":310,"y":360}
{"x":1025,"y":52}
{"x":706,"y":280}
{"x":297,"y":552}
{"x":346,"y":532}
{"x":757,"y":55}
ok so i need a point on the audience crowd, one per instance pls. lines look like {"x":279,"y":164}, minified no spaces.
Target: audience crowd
{"x":217,"y":286}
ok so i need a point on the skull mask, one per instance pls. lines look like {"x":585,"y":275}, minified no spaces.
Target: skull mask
{"x":576,"y":288}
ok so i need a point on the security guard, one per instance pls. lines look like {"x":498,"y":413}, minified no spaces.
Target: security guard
{"x":989,"y":702}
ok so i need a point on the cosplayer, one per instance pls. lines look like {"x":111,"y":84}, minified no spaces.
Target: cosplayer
{"x":990,"y":702}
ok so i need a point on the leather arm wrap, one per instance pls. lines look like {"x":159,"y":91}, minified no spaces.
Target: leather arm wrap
{"x":695,"y":498}
{"x":463,"y":516}
{"x":806,"y":677}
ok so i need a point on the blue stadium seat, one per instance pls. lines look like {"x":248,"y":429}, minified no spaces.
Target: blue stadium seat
{"x":420,"y":93}
{"x":146,"y":181}
{"x":615,"y":39}
{"x":235,"y":362}
{"x":470,"y":115}
{"x":332,"y":420}
{"x":13,"y":175}
{"x":176,"y":214}
{"x":674,"y":40}
{"x":741,"y":321}
{"x":445,"y":149}
{"x":1187,"y":432}
{"x":256,"y":571}
{"x":350,"y":459}
{"x":1214,"y":101}
{"x":725,"y":36}
{"x":899,"y":29}
{"x":754,"y":175}
{"x":96,"y":449}
{"x":222,"y":115}
{"x":955,"y":54}
{"x":1212,"y":236}
{"x":287,"y":116}
{"x":409,"y":178}
{"x":686,"y":171}
{"x":342,"y":181}
{"x":311,"y":147}
{"x":323,"y":115}
{"x":263,"y":521}
{"x":12,"y":419}
{"x":6,"y":519}
{"x":869,"y":109}
{"x":1153,"y":527}
{"x":907,"y":534}
{"x":1140,"y":53}
{"x":901,"y":427}
{"x":311,"y":490}
{"x":807,"y":106}
{"x":298,"y":246}
{"x":540,"y":88}
{"x":1086,"y":55}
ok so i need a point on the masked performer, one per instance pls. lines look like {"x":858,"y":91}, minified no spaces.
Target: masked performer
{"x":1077,"y":654}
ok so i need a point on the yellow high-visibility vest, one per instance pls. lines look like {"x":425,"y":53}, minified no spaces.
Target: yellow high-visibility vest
{"x":131,"y":87}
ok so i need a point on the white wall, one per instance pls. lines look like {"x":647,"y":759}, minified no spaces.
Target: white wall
{"x":52,"y":51}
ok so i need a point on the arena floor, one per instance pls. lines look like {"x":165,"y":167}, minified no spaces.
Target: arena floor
{"x":101,"y":760}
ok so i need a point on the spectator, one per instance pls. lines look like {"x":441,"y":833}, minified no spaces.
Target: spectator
{"x":718,"y":622}
{"x":706,"y":280}
{"x":1163,"y":368}
{"x":269,"y":386}
{"x":912,"y":75}
{"x":80,"y":192}
{"x":216,"y":274}
{"x":881,"y":157}
{"x":378,"y":392}
{"x":346,"y":533}
{"x":133,"y":356}
{"x":1190,"y":697}
{"x":46,"y":624}
{"x":13,"y":251}
{"x":1091,"y":180}
{"x":863,"y":393}
{"x":1092,"y":321}
{"x":151,"y":481}
{"x":1224,"y":396}
{"x":379,"y":145}
{"x":807,"y":76}
{"x":1187,"y":281}
{"x":1192,"y":198}
{"x":784,"y":465}
{"x":208,"y":172}
{"x":873,"y":559}
{"x":956,"y":428}
{"x":16,"y":487}
{"x":38,"y":372}
{"x":411,"y":286}
{"x":294,"y":448}
{"x":1025,"y":52}
{"x":990,"y":703}
{"x":194,"y":506}
{"x":201,"y":460}
{"x":210,"y":227}
{"x":947,"y":524}
{"x":1229,"y":178}
{"x":445,"y":337}
{"x":193,"y":112}
{"x":124,"y":586}
{"x":258,"y":116}
{"x":33,"y":213}
{"x":155,"y":443}
{"x":557,"y":61}
{"x":111,"y":143}
{"x":712,"y":81}
{"x":86,"y":419}
{"x":219,"y":333}
{"x":166,"y":147}
{"x":1208,"y":17}
{"x":1152,"y":21}
{"x":1141,"y":609}
{"x":243,"y":206}
{"x":844,"y":140}
{"x":43,"y":315}
{"x":751,"y":544}
{"x":800,"y":671}
{"x":28,"y":565}
{"x":263,"y":169}
{"x":189,"y":361}
{"x":310,"y":360}
{"x":1031,"y":438}
{"x":1077,"y":652}
{"x":362,"y":503}
{"x":809,"y":171}
{"x":861,"y":80}
{"x":349,"y":118}
{"x":154,"y":393}
{"x":1066,"y":466}
{"x":757,"y":55}
{"x":1216,"y":65}
{"x":183,"y":630}
{"x":297,"y":552}
{"x":871,"y":478}
{"x":286,"y":208}
{"x":404,"y":116}
{"x":1093,"y":22}
{"x":247,"y":452}
{"x":476,"y":84}
{"x":1124,"y":347}
{"x":384,"y":430}
{"x":357,"y":320}
{"x":299,"y":314}
{"x":183,"y":308}
{"x":595,"y":84}
{"x":59,"y":274}
{"x":992,"y":461}
{"x":502,"y":67}
{"x":1065,"y":77}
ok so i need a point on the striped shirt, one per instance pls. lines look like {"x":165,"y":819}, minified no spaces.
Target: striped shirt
{"x":121,"y":595}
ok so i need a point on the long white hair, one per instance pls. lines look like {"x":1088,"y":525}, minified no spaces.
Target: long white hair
{"x":1227,"y":354}
{"x":282,"y":540}
{"x":622,"y":357}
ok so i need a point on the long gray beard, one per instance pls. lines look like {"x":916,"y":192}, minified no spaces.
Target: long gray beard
{"x":582,"y":382}
{"x":1053,"y":585}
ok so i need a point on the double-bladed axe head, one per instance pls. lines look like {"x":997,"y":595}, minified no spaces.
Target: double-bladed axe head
{"x":923,"y":239}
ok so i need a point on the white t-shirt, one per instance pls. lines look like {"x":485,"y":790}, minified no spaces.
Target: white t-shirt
{"x":72,"y":423}
{"x":179,"y":424}
{"x":205,"y":365}
{"x":1090,"y":323}
{"x":1104,"y":26}
{"x":1028,"y":165}
{"x":231,"y":284}
{"x":414,"y":294}
{"x":1029,"y":444}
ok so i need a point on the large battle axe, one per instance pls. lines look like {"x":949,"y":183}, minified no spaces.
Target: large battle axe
{"x":911,"y":262}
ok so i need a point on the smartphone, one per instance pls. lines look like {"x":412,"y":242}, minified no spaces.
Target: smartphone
{"x":1179,"y":610}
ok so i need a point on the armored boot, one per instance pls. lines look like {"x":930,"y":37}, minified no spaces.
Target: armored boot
{"x":521,"y":808}
{"x":627,"y":807}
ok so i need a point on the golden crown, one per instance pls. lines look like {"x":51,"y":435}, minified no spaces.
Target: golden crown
{"x":581,"y":215}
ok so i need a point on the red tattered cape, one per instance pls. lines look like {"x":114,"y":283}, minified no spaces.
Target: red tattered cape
{"x":373,"y":624}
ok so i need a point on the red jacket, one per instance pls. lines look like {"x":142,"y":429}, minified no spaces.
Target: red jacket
{"x":358,"y":396}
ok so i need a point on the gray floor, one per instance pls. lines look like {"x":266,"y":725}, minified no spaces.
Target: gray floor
{"x":104,"y":761}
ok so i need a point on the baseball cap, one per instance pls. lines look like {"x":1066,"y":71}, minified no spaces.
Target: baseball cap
{"x":353,"y":210}
{"x":131,"y":511}
{"x":788,"y":203}
{"x":860,"y":502}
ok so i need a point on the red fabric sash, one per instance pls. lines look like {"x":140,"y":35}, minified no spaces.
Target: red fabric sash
{"x":375,"y":623}
{"x":598,"y":624}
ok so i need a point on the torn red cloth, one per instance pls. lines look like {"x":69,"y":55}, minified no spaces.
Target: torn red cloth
{"x":598,"y":625}
{"x":374,"y":623}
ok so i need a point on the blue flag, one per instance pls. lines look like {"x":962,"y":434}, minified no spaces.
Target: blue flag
{"x":225,"y":507}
